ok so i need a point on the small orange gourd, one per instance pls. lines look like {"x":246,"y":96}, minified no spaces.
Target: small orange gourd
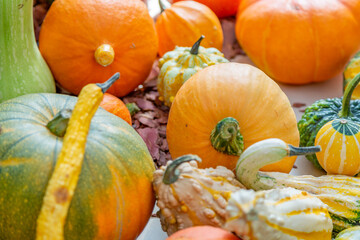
{"x":115,"y":106}
{"x":184,"y":22}
{"x":223,"y":109}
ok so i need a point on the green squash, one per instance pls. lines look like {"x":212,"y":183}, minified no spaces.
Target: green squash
{"x":179,"y":65}
{"x":325,"y":110}
{"x":22,"y":68}
{"x":352,"y":233}
{"x":113,"y":198}
{"x":351,"y":69}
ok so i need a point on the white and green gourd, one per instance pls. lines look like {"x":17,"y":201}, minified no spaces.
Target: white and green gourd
{"x":22,"y":68}
{"x":179,"y":65}
{"x":286,"y":214}
{"x":352,"y":233}
{"x":340,"y":193}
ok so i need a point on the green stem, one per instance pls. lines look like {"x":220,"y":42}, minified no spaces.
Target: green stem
{"x":195,"y":48}
{"x":163,"y":5}
{"x":297,"y":151}
{"x":226,"y":137}
{"x":172,"y":173}
{"x":106,"y":85}
{"x":133,"y":108}
{"x":346,"y":111}
{"x":59,"y":123}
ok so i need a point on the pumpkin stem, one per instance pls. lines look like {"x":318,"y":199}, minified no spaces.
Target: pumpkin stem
{"x":133,"y":108}
{"x":346,"y":111}
{"x":172,"y":173}
{"x":163,"y":5}
{"x":195,"y":48}
{"x":226,"y":137}
{"x":296,"y":151}
{"x":59,"y":123}
{"x":106,"y":85}
{"x":104,"y":55}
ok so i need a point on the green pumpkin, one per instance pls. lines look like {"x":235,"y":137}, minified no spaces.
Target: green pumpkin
{"x":113,"y":198}
{"x":325,"y":110}
{"x":352,"y":233}
{"x":179,"y":65}
{"x":351,"y":69}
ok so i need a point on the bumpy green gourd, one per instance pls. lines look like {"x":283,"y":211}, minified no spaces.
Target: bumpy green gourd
{"x":325,"y":110}
{"x":340,"y":193}
{"x":22,"y":68}
{"x":351,"y":69}
{"x":179,"y":65}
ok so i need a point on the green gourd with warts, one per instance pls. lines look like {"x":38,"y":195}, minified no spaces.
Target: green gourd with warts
{"x":179,"y":65}
{"x":340,"y":193}
{"x":351,"y":70}
{"x":22,"y":68}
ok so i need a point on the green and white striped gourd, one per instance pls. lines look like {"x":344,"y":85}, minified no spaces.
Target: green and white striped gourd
{"x":340,"y":193}
{"x":286,"y":214}
{"x":352,"y":233}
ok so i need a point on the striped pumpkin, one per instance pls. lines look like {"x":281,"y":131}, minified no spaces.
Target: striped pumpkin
{"x":339,"y":140}
{"x":286,"y":214}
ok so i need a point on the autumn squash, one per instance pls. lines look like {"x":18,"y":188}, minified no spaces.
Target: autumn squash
{"x":114,"y":105}
{"x":265,"y":29}
{"x":286,"y":214}
{"x":225,"y":108}
{"x":188,"y":196}
{"x":352,"y":233}
{"x":84,"y":41}
{"x":340,"y":193}
{"x":222,"y":8}
{"x":351,"y":70}
{"x":22,"y":70}
{"x":203,"y":233}
{"x":196,"y":19}
{"x":322,"y":112}
{"x":179,"y":65}
{"x":113,"y":198}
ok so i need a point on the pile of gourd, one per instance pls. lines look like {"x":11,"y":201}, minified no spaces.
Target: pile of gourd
{"x":72,"y":170}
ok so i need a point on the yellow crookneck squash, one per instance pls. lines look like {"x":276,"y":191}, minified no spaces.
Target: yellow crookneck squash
{"x":225,"y":108}
{"x":87,"y":177}
{"x":340,"y":193}
{"x":179,"y":65}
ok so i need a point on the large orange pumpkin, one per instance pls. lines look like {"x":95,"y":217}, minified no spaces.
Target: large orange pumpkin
{"x":225,"y":108}
{"x":184,"y":22}
{"x":222,"y":8}
{"x":86,"y":41}
{"x":299,"y":42}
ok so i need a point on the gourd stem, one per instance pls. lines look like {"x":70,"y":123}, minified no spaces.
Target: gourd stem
{"x":346,"y":111}
{"x":296,"y":151}
{"x":163,"y":5}
{"x":172,"y":173}
{"x":59,"y":123}
{"x":106,"y":85}
{"x":104,"y":55}
{"x":226,"y":137}
{"x":195,"y":48}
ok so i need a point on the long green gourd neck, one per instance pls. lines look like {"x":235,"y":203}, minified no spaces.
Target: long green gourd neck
{"x":261,"y":154}
{"x":346,"y":111}
{"x":22,"y":68}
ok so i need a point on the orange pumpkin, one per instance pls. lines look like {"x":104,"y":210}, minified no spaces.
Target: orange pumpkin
{"x":299,"y":42}
{"x":202,"y":233}
{"x":115,"y":106}
{"x":223,"y":109}
{"x":222,"y":8}
{"x":85,"y":41}
{"x":184,"y":22}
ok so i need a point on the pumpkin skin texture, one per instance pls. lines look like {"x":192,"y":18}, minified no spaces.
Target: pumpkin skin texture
{"x":73,"y":30}
{"x":247,"y":95}
{"x":113,"y":198}
{"x":264,"y":29}
{"x":115,"y":106}
{"x":339,"y":140}
{"x":184,"y":22}
{"x":222,"y":8}
{"x":202,"y":233}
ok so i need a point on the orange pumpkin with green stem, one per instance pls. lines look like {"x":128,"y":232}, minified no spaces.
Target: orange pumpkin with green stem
{"x":299,"y":42}
{"x":86,"y":40}
{"x":184,"y":22}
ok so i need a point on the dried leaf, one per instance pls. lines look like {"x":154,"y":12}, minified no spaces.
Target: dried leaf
{"x":145,"y":104}
{"x":150,"y":137}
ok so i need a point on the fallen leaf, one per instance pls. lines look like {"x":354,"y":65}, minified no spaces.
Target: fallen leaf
{"x":150,"y":137}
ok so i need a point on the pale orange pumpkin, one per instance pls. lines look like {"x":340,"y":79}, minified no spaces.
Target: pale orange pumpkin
{"x":184,"y":22}
{"x":299,"y":42}
{"x":86,"y":41}
{"x":225,"y":108}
